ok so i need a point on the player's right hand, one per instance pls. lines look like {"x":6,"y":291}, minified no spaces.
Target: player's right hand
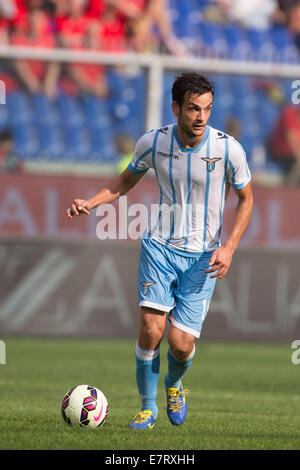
{"x":79,"y":207}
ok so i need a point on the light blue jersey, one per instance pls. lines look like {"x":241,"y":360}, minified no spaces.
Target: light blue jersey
{"x":193,"y":185}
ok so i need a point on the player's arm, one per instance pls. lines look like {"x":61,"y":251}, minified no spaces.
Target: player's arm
{"x":112,"y":191}
{"x":221,"y":258}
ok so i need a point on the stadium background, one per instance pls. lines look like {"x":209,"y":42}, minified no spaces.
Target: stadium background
{"x":67,"y":138}
{"x":80,"y":82}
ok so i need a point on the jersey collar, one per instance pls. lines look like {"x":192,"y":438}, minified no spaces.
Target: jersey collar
{"x":195,"y":149}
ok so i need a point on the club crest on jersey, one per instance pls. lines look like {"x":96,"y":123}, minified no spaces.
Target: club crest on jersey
{"x":146,"y":286}
{"x":211,"y":162}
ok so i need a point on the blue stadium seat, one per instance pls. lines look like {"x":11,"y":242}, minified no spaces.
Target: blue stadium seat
{"x":51,"y":142}
{"x":46,"y":112}
{"x":181,"y":14}
{"x":26,"y":140}
{"x":97,"y":111}
{"x":262,"y":45}
{"x":268,"y":113}
{"x":20,"y":109}
{"x":71,"y":111}
{"x":238,"y":45}
{"x":127,"y":102}
{"x":4,"y":117}
{"x":214,"y":41}
{"x":286,"y":51}
{"x":240,"y":86}
{"x":78,"y":143}
{"x":221,"y":112}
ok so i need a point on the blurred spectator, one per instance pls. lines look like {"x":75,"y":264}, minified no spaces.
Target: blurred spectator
{"x":251,"y":14}
{"x":59,"y":11}
{"x":280,"y":14}
{"x":10,"y":12}
{"x":125,"y":146}
{"x":132,"y":23}
{"x":95,"y":8}
{"x":89,"y":78}
{"x":9,"y":159}
{"x":112,"y":30}
{"x":141,"y":25}
{"x":73,"y":23}
{"x":3,"y":30}
{"x":293,"y":22}
{"x":155,"y":17}
{"x":288,"y":14}
{"x":79,"y":31}
{"x":36,"y":75}
{"x":284,"y":143}
{"x":285,"y":5}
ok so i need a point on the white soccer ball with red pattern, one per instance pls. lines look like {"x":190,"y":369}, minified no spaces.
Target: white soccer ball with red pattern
{"x":85,"y":406}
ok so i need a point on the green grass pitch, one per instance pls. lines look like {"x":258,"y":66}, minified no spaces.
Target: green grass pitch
{"x":242,"y":396}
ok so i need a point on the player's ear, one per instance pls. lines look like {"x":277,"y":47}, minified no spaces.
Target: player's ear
{"x":176,"y":108}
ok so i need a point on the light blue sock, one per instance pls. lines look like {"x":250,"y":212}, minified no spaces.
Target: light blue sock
{"x":177,"y":369}
{"x":147,"y":374}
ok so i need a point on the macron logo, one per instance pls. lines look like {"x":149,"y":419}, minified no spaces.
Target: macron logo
{"x":168,"y":155}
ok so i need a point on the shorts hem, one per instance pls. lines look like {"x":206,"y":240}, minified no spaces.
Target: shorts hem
{"x":184,"y":328}
{"x":163,"y":308}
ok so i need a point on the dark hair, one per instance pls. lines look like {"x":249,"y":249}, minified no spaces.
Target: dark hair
{"x":192,"y":83}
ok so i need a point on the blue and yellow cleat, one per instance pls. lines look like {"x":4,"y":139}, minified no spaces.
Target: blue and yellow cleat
{"x":176,"y":405}
{"x":143,"y":420}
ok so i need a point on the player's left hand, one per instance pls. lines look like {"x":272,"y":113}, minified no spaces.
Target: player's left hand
{"x":220,"y":262}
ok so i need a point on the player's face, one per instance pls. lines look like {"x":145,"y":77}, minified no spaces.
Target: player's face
{"x":194,"y":113}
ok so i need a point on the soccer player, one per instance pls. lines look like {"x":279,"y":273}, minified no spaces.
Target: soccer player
{"x":181,"y":258}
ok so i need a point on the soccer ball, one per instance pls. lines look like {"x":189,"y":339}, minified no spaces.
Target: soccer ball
{"x":84,"y":406}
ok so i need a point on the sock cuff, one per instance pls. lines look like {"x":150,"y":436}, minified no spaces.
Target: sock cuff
{"x":144,"y":355}
{"x":190,"y":357}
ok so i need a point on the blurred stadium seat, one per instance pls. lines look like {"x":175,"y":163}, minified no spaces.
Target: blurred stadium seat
{"x":82,"y":127}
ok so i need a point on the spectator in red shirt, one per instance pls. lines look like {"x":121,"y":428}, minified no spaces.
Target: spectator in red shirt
{"x":95,"y":8}
{"x":11,"y":12}
{"x":77,"y":32}
{"x":3,"y":30}
{"x":112,"y":31}
{"x":89,"y":78}
{"x":73,"y":26}
{"x":284,"y":143}
{"x":36,"y":75}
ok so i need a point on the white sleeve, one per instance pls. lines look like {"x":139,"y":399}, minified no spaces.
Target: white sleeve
{"x":142,"y":157}
{"x":238,"y":173}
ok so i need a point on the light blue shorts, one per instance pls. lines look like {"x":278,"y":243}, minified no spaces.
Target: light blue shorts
{"x":176,"y":284}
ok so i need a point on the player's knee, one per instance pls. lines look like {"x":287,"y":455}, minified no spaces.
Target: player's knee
{"x":181,"y":346}
{"x":180,"y":351}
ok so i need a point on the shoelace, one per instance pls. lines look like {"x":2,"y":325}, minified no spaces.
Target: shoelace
{"x":142,"y":416}
{"x":174,"y":399}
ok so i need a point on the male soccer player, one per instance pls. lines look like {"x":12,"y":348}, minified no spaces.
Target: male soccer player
{"x":181,"y":258}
